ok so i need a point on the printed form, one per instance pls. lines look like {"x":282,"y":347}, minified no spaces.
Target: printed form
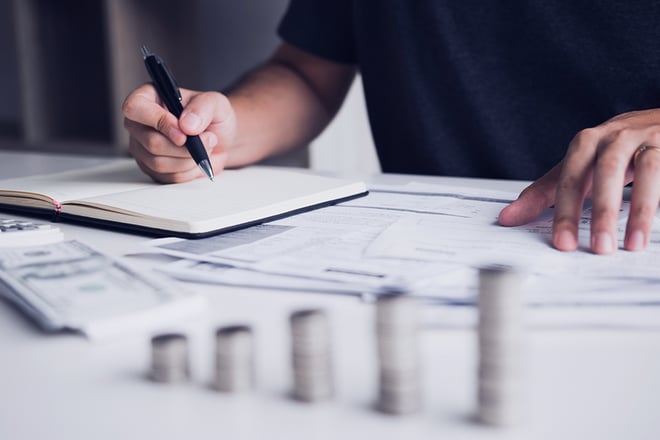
{"x":428,"y":240}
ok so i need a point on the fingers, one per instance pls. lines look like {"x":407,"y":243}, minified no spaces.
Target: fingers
{"x":156,"y":136}
{"x":142,"y":106}
{"x":613,"y":159}
{"x":574,"y":183}
{"x":153,"y":141}
{"x":598,"y":164}
{"x":532,"y":201}
{"x":202,"y":110}
{"x":168,"y":163}
{"x":645,"y":199}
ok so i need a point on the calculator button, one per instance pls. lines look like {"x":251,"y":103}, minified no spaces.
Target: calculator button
{"x":15,"y":233}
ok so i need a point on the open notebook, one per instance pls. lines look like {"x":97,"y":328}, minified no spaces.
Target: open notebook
{"x":120,"y":195}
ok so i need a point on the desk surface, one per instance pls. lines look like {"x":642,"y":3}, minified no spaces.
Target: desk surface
{"x":584,"y":384}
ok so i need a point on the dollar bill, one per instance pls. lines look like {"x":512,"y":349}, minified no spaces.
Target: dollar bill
{"x":70,"y":285}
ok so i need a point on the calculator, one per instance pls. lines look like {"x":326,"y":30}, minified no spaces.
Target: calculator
{"x":18,"y":232}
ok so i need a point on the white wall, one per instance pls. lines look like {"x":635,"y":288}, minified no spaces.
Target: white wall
{"x":346,"y":146}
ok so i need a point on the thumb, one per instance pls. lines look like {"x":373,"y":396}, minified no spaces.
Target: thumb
{"x":202,"y":110}
{"x":532,"y":200}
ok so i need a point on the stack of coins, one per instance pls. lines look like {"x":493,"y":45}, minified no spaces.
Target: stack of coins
{"x":311,"y":358}
{"x":169,"y":358}
{"x":399,"y":365}
{"x":501,"y":333}
{"x":234,"y":359}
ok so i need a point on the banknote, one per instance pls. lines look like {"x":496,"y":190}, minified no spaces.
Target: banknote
{"x":70,"y":285}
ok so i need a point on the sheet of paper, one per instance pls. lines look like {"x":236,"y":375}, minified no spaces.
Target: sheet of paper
{"x":218,"y":273}
{"x":428,"y":240}
{"x":556,"y":277}
{"x":326,"y":244}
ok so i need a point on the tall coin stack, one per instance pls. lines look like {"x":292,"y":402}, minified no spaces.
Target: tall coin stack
{"x":501,"y":334}
{"x":396,"y":332}
{"x":169,"y":358}
{"x":311,"y":357}
{"x":234,"y":360}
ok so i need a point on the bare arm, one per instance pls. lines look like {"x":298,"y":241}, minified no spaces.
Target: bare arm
{"x":286,"y":103}
{"x":281,"y":105}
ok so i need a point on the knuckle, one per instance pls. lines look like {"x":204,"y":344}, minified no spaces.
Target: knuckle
{"x":158,"y":163}
{"x":587,"y":136}
{"x":624,"y":134}
{"x":653,"y":137}
{"x":155,"y":142}
{"x":643,"y":211}
{"x":537,"y":193}
{"x":569,"y":183}
{"x":610,"y":163}
{"x":133,"y":146}
{"x":128,"y":106}
{"x":604,"y":215}
{"x":648,"y":165}
{"x":649,"y":162}
{"x":161,"y":123}
{"x":565,"y":222}
{"x":216,"y":96}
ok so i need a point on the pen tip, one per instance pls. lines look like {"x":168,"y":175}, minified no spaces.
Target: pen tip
{"x":205,"y":165}
{"x":145,"y":51}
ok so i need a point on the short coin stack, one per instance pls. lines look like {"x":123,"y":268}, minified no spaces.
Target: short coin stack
{"x":311,"y":356}
{"x":169,"y":358}
{"x":501,"y":334}
{"x":396,"y":331}
{"x":234,"y":359}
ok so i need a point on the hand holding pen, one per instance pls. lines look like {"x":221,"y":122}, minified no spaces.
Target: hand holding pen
{"x":169,"y":92}
{"x":157,"y":135}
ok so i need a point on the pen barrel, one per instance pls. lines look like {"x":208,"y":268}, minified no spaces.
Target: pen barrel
{"x":167,"y":89}
{"x":164,"y":84}
{"x":196,"y":148}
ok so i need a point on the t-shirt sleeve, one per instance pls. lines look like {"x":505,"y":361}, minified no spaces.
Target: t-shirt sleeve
{"x":321,"y":27}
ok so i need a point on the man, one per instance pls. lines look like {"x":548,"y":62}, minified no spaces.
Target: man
{"x":470,"y":88}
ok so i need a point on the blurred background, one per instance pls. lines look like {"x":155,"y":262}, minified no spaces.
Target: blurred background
{"x":67,"y":66}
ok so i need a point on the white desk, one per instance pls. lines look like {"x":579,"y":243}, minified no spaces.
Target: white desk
{"x":584,"y":384}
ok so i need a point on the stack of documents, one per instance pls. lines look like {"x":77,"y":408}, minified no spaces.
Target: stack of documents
{"x":428,"y":240}
{"x":69,"y":285}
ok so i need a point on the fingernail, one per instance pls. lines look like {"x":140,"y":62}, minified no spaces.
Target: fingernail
{"x":565,"y":241}
{"x":602,"y":243}
{"x":191,"y":121}
{"x":636,"y":241}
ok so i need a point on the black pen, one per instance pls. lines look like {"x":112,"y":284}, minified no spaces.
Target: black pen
{"x":169,"y":92}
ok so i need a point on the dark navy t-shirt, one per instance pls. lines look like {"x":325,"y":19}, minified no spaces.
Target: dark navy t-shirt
{"x":479,"y":88}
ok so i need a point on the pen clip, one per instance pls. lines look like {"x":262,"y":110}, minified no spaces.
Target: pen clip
{"x":146,"y":53}
{"x":170,"y":77}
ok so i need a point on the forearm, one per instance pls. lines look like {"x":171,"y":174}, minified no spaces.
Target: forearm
{"x":284,"y":104}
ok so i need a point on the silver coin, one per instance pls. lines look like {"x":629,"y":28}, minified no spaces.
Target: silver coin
{"x":234,"y":360}
{"x":311,"y":355}
{"x":169,"y":358}
{"x":502,"y":347}
{"x":399,"y":403}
